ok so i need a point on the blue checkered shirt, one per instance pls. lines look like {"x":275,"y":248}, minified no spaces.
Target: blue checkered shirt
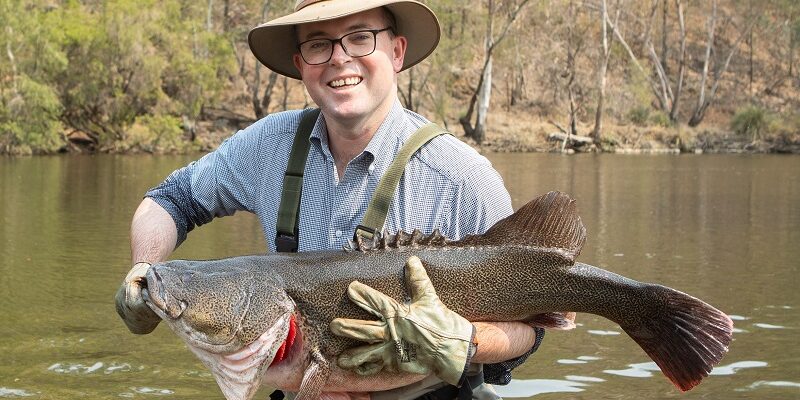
{"x":446,"y":184}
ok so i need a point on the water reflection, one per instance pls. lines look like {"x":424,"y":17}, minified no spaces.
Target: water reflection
{"x":721,"y":228}
{"x":532,"y":387}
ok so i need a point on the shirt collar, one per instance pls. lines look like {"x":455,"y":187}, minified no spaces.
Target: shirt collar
{"x":389,"y":137}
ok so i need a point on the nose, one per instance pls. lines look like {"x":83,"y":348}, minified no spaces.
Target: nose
{"x":339,"y":56}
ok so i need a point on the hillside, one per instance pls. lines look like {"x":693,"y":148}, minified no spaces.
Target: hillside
{"x":122,"y":76}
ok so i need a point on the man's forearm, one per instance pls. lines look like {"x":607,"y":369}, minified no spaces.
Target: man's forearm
{"x":501,"y":341}
{"x":153,"y":233}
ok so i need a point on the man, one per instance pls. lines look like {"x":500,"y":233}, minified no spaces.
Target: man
{"x":348,"y":54}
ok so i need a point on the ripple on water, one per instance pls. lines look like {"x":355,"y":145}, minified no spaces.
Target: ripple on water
{"x":602,"y":333}
{"x":146,"y":391}
{"x":533,"y":387}
{"x":780,"y":384}
{"x":80,"y":369}
{"x":769,"y":326}
{"x":640,"y":370}
{"x":580,"y":378}
{"x":579,"y":360}
{"x":11,"y":393}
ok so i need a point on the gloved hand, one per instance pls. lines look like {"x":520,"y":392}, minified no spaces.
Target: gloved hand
{"x":138,"y":317}
{"x":421,"y":337}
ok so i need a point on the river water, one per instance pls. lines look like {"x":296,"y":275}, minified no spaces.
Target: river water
{"x":725,"y":228}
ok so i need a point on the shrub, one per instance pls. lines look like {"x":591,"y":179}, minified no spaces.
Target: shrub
{"x":639,"y":115}
{"x":750,"y":121}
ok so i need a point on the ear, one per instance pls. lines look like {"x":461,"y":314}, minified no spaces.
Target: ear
{"x":399,"y":52}
{"x":298,"y":63}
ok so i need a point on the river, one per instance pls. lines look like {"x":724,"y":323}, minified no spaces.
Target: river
{"x":724,"y":228}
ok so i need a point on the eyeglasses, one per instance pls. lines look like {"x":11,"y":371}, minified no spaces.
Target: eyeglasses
{"x":355,"y":44}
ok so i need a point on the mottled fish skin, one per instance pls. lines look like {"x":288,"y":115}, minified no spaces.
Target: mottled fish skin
{"x":523,"y":267}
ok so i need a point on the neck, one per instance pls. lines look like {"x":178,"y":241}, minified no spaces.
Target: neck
{"x":348,"y":138}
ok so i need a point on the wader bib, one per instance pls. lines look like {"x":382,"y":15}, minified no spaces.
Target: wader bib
{"x":287,"y":237}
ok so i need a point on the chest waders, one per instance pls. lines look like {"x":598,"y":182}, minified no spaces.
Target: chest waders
{"x":287,"y":233}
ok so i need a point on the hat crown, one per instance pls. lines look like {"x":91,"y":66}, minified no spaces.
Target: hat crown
{"x":301,"y":4}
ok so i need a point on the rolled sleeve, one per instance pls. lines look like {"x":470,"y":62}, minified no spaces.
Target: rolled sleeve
{"x":218,"y":184}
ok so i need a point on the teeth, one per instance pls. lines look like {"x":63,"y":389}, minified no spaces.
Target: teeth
{"x":347,"y":81}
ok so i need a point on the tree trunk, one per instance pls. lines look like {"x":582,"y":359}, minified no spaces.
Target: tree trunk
{"x":209,"y":16}
{"x":673,"y":113}
{"x":483,"y":90}
{"x":484,"y":97}
{"x":598,"y":115}
{"x":700,"y":109}
{"x":12,"y":60}
{"x":703,"y":103}
{"x":664,"y":47}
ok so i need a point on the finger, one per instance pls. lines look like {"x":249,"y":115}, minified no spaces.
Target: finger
{"x":133,"y":282}
{"x":363,"y":330}
{"x":361,"y":356}
{"x":371,"y":300}
{"x":417,"y":280}
{"x":137,"y":272}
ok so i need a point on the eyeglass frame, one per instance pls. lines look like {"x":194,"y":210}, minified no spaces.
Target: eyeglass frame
{"x":333,"y":42}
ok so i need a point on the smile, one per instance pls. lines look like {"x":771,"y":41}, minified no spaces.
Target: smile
{"x":352,"y":81}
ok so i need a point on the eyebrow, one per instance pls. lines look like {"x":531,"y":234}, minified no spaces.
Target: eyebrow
{"x":351,"y":28}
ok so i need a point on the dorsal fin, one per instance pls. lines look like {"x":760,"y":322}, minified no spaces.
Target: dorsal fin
{"x":549,"y":221}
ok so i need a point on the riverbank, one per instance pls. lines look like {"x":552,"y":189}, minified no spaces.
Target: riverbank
{"x":506,"y":136}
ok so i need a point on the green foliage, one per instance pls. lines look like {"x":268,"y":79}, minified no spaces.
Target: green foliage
{"x":100,"y":67}
{"x":661,"y":119}
{"x":639,"y":115}
{"x":157,"y":133}
{"x":29,"y":114}
{"x":751,"y":121}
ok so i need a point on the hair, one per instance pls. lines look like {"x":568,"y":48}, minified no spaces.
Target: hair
{"x":390,"y":19}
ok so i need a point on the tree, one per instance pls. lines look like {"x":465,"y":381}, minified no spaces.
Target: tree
{"x":483,"y":91}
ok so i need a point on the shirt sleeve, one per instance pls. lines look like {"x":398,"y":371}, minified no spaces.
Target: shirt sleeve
{"x":218,"y":184}
{"x":479,"y":202}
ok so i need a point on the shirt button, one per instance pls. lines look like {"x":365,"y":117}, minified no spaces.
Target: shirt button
{"x":338,"y":233}
{"x":371,"y":168}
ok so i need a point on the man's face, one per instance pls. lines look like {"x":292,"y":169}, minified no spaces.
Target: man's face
{"x":348,"y":88}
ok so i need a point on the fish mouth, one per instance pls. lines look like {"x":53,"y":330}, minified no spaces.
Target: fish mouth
{"x":158,"y":298}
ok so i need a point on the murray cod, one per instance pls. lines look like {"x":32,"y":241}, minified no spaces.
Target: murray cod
{"x":265,"y":319}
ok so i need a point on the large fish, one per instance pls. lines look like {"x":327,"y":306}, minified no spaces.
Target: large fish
{"x":265,"y":319}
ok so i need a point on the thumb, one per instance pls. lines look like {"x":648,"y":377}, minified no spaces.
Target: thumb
{"x":418,"y":281}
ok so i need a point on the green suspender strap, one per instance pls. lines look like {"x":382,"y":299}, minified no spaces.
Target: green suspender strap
{"x":286,"y":238}
{"x":375,"y":217}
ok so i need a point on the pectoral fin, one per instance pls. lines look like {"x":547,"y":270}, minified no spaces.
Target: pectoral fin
{"x":314,"y":378}
{"x":554,"y":320}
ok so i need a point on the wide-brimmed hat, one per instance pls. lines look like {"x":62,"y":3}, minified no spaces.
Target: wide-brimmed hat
{"x":274,"y":42}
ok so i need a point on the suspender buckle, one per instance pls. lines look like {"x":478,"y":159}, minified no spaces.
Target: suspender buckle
{"x":366,"y":233}
{"x":285,"y":243}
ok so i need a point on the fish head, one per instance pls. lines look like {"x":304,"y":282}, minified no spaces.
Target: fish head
{"x":235,"y":319}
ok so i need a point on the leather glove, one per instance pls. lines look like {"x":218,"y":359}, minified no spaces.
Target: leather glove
{"x":138,"y":317}
{"x":421,"y":337}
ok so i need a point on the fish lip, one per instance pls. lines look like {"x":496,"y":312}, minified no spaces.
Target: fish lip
{"x":158,"y":299}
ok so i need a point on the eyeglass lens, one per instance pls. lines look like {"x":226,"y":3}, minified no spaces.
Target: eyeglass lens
{"x":355,"y":44}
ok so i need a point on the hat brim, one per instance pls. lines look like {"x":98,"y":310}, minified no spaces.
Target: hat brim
{"x":274,"y":43}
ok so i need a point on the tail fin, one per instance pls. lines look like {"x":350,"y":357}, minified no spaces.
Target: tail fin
{"x":548,"y":221}
{"x":686,"y":337}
